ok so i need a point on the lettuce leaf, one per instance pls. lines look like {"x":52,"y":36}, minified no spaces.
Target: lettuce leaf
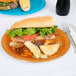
{"x":19,"y":32}
{"x":15,"y":32}
{"x":30,"y":31}
{"x":54,"y":29}
{"x":11,"y":33}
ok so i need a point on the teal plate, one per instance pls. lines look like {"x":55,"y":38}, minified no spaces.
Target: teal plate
{"x":36,"y":5}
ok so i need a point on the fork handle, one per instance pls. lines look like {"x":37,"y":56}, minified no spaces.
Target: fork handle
{"x":72,"y":41}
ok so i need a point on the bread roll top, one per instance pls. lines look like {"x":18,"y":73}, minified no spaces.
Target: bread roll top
{"x":35,"y":22}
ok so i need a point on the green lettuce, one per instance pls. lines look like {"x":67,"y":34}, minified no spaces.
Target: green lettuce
{"x":30,"y":31}
{"x":15,"y":32}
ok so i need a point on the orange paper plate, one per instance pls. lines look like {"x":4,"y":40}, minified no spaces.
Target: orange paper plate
{"x":62,"y":49}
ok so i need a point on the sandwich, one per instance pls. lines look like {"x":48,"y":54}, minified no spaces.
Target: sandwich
{"x":25,"y":5}
{"x":8,"y":4}
{"x":35,"y":39}
{"x":32,"y":33}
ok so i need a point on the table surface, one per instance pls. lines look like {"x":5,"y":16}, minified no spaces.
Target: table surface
{"x":64,"y":66}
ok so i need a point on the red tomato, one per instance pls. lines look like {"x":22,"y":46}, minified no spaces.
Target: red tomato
{"x":30,"y":37}
{"x":54,"y":34}
{"x":50,"y":35}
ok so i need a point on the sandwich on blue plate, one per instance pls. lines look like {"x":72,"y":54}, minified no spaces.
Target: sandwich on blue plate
{"x":8,"y":4}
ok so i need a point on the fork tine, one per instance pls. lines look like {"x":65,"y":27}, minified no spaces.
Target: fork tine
{"x":66,"y":28}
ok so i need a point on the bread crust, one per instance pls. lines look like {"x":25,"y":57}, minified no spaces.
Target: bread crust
{"x":35,"y":22}
{"x":8,"y":0}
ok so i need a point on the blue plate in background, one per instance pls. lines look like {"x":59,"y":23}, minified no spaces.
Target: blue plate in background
{"x":36,"y":5}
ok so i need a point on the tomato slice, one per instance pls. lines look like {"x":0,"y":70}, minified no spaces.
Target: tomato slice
{"x":30,"y":37}
{"x":49,"y":36}
{"x":54,"y":34}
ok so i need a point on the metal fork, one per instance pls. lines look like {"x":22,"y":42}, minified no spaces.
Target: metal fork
{"x":68,"y":32}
